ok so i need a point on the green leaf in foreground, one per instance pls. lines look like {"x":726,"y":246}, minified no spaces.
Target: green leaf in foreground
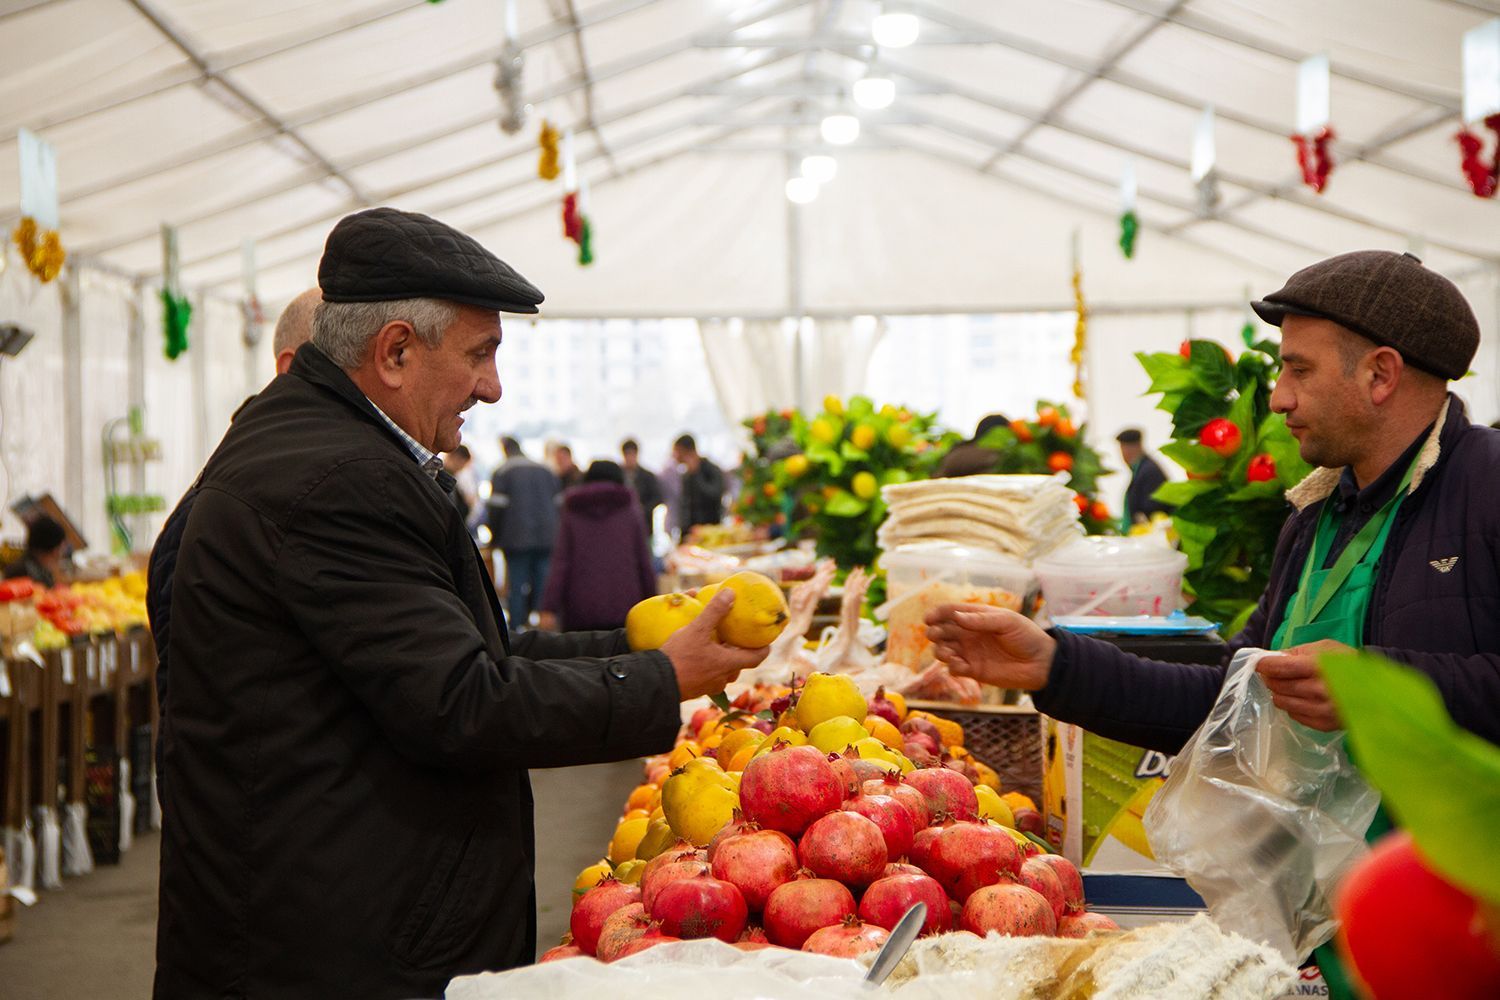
{"x":1441,"y":782}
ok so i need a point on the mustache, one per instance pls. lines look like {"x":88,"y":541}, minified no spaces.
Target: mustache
{"x":469,"y":404}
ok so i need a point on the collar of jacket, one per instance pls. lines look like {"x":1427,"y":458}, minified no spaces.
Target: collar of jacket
{"x":313,"y":366}
{"x":1321,"y":482}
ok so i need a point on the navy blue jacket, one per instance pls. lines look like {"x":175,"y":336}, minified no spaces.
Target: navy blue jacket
{"x":1443,"y":621}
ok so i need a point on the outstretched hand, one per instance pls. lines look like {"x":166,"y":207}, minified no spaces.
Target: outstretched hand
{"x":702,"y":663}
{"x":1297,"y":686}
{"x":992,"y":645}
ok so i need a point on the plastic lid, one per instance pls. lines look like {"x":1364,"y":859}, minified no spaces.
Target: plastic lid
{"x":927,"y":555}
{"x":1106,"y":552}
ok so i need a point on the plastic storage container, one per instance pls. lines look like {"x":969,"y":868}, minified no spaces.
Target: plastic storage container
{"x":1108,"y":575}
{"x":922,"y":577}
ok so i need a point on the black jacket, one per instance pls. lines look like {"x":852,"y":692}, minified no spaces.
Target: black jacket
{"x":701,"y":500}
{"x":347,"y":811}
{"x":1443,"y":621}
{"x":1145,"y":480}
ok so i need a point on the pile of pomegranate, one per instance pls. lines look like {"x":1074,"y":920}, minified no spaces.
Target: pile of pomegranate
{"x":826,"y":855}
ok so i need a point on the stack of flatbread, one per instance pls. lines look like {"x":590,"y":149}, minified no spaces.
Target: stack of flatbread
{"x":1024,"y":517}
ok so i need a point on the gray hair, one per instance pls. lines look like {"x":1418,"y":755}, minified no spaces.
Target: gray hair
{"x":343,"y":330}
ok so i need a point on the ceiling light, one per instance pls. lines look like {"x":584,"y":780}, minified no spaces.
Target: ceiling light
{"x":895,"y":30}
{"x":874,"y":92}
{"x":820,"y":168}
{"x":801,"y":190}
{"x":840,"y":129}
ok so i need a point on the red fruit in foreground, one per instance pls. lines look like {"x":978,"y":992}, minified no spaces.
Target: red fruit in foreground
{"x":846,"y":940}
{"x":923,"y":726}
{"x":1262,"y":469}
{"x":595,"y":907}
{"x":652,"y":883}
{"x":623,"y":926}
{"x":1067,"y":874}
{"x":922,"y":845}
{"x":891,"y":816}
{"x":914,"y":801}
{"x":848,"y":776}
{"x":649,"y":940}
{"x":1038,"y":876}
{"x":922,"y":742}
{"x":753,"y":934}
{"x":733,"y":828}
{"x":680,"y":851}
{"x":888,"y":899}
{"x":844,"y":846}
{"x":1220,"y":436}
{"x":701,"y":907}
{"x":945,"y":792}
{"x":1077,"y":925}
{"x":902,"y":868}
{"x":799,"y":908}
{"x":1030,"y":821}
{"x":756,"y":863}
{"x":1407,"y":929}
{"x":967,"y":856}
{"x":788,"y":788}
{"x":561,"y":952}
{"x":866,"y":770}
{"x":1009,"y":909}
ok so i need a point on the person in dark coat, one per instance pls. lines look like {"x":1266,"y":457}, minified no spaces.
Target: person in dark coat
{"x":701,"y":496}
{"x":1371,"y":410}
{"x":601,"y":565}
{"x":42,"y":562}
{"x":967,"y":458}
{"x":642,"y":482}
{"x":1146,"y":477}
{"x":523,"y":524}
{"x":349,"y":724}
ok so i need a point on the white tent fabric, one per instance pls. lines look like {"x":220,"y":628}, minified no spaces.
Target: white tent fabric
{"x":1012,"y":126}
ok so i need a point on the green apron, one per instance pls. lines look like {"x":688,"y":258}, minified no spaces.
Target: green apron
{"x":1333,"y":604}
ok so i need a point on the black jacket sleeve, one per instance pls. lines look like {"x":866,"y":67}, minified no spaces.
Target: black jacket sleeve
{"x":363,"y":576}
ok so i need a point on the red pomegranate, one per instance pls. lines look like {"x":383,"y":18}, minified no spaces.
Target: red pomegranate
{"x":1406,"y":928}
{"x":652,"y":883}
{"x":788,"y":788}
{"x":650,"y":939}
{"x":891,"y":816}
{"x":595,"y":907}
{"x":623,"y":926}
{"x":967,"y":856}
{"x":561,"y":952}
{"x":921,"y":741}
{"x":680,"y":851}
{"x":868,"y":770}
{"x":1008,"y":909}
{"x":885,"y":708}
{"x":798,"y":908}
{"x":926,"y":728}
{"x":848,"y":777}
{"x":901,"y":868}
{"x":701,"y":907}
{"x":846,"y":940}
{"x":922,"y":844}
{"x":753,"y":934}
{"x":1039,"y":876}
{"x":947,"y":792}
{"x":886,"y":901}
{"x":1067,"y":874}
{"x":738,"y":825}
{"x":1077,"y":925}
{"x":844,"y":846}
{"x":914,"y":801}
{"x":756,"y":863}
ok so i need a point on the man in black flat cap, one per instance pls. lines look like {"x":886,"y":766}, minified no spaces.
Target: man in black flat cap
{"x":346,"y":810}
{"x":1393,"y":543}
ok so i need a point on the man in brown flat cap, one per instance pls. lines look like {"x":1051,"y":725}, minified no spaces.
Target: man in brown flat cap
{"x":346,"y":737}
{"x":1393,"y":544}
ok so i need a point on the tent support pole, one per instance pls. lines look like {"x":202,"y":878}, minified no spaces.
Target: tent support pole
{"x":796,"y":296}
{"x":72,"y":351}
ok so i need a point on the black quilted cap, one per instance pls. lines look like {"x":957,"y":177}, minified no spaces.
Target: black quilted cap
{"x":382,"y":254}
{"x":1389,"y":298}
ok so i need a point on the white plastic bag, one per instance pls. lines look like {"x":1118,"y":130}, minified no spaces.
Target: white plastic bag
{"x":20,"y":863}
{"x":1262,"y":816}
{"x":77,"y":856}
{"x":48,"y":848}
{"x":127,"y":807}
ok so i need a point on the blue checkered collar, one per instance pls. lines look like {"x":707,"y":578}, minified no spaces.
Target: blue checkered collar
{"x":431,"y":464}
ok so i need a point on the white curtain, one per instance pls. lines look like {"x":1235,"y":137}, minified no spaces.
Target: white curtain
{"x":837,"y":353}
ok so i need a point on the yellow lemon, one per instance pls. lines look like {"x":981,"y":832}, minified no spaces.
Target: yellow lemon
{"x":863,"y":437}
{"x":823,"y":431}
{"x":760,"y":611}
{"x":991,"y":806}
{"x":783,"y":734}
{"x":590,"y":877}
{"x":865,"y":485}
{"x":796,"y":466}
{"x":883,"y":731}
{"x":898,"y":436}
{"x":827,"y":695}
{"x":627,"y":838}
{"x":706,"y":594}
{"x":833,"y":735}
{"x":888,"y":411}
{"x":833,"y":404}
{"x":631,"y":871}
{"x":651,"y":623}
{"x":658,"y":838}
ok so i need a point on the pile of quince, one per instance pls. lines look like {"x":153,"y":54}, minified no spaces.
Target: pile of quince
{"x":692,"y":793}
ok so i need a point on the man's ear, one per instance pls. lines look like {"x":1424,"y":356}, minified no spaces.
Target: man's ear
{"x":1385,"y":369}
{"x":392,"y":347}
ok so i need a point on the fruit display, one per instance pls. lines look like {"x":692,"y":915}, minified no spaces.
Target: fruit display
{"x":115,"y":604}
{"x":813,"y":819}
{"x":756,"y":619}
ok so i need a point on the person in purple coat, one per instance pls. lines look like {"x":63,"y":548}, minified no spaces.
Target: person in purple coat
{"x":601,"y":564}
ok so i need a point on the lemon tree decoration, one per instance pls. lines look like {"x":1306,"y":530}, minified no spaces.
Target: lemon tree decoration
{"x":1048,"y":443}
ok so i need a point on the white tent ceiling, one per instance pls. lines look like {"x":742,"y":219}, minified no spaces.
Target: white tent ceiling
{"x":1013,"y":123}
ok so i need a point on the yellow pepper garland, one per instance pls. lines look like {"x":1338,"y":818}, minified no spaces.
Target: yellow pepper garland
{"x":1080,"y":332}
{"x":43,"y":259}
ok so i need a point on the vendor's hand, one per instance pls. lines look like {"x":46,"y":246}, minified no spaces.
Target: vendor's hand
{"x":991,"y":645}
{"x":1297,"y":686}
{"x":703,"y":663}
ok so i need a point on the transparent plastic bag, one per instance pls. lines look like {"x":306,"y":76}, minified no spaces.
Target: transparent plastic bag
{"x":77,"y":856}
{"x":1262,"y":816}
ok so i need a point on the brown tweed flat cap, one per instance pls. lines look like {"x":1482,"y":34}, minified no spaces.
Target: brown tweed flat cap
{"x":1389,"y":298}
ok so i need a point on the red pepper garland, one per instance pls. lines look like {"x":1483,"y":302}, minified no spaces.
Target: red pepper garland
{"x":1482,"y":177}
{"x":572,"y":221}
{"x":1314,"y":158}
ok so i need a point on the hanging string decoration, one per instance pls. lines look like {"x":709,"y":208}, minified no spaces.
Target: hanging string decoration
{"x":1129,"y":226}
{"x":176,"y":310}
{"x":548,"y":165}
{"x":43,"y":257}
{"x":585,"y":242}
{"x":1314,"y":157}
{"x":1482,"y":177}
{"x":1247,"y":332}
{"x":571,"y":220}
{"x":1080,"y":331}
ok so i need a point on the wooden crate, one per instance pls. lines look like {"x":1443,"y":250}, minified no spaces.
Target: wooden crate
{"x":1006,"y":737}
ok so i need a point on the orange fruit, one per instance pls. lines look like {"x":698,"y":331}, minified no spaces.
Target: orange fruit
{"x":635,"y":814}
{"x":883,"y":731}
{"x":737,"y":740}
{"x":1047,"y":416}
{"x":686,"y":750}
{"x":742,"y":757}
{"x":1018,"y":801}
{"x":643,"y":797}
